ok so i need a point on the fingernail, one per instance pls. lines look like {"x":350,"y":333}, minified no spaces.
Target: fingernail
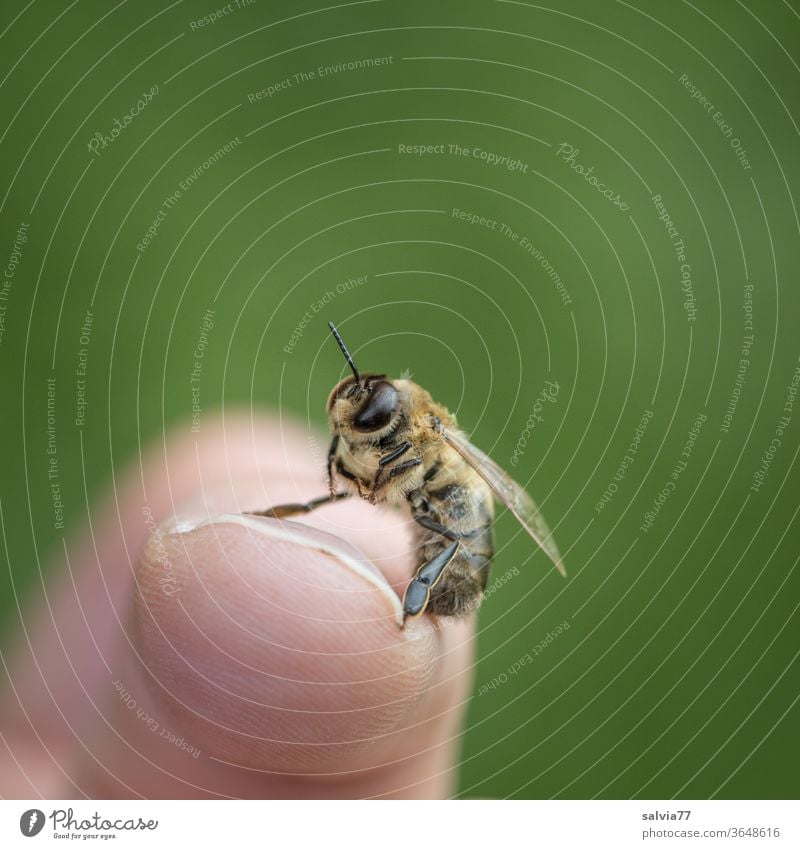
{"x":299,"y":534}
{"x":183,"y":524}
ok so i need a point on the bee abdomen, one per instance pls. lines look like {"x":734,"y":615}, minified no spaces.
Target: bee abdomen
{"x":467,"y":512}
{"x":461,"y":587}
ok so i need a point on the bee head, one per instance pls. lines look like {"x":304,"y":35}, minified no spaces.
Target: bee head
{"x":361,"y":404}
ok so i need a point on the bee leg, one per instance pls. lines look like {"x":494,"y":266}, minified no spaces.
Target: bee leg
{"x":392,"y":473}
{"x":281,"y":511}
{"x":436,"y":527}
{"x":418,"y":592}
{"x":340,"y":469}
{"x":403,"y":467}
{"x":331,"y":458}
{"x":392,"y":456}
{"x":384,"y":462}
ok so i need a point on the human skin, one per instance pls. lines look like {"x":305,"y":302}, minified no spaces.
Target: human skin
{"x":219,"y":657}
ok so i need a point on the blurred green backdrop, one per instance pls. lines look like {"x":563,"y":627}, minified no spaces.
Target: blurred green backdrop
{"x":597,"y":194}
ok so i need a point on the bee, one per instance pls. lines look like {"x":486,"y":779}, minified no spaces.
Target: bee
{"x":392,"y":443}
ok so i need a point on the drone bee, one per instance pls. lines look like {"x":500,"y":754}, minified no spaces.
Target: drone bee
{"x":393,"y":443}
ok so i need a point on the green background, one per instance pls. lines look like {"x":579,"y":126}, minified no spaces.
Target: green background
{"x":678,"y":674}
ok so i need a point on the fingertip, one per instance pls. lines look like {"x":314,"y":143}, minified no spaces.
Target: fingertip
{"x":276,"y":646}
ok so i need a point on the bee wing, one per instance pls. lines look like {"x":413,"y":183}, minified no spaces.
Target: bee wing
{"x":509,"y":493}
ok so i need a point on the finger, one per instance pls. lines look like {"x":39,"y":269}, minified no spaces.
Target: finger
{"x":64,"y":680}
{"x":59,"y":664}
{"x":275,"y":652}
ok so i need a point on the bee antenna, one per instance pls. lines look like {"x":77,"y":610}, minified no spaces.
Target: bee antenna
{"x":346,"y":353}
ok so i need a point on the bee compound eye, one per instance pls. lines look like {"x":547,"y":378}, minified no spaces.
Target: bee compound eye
{"x":378,"y":409}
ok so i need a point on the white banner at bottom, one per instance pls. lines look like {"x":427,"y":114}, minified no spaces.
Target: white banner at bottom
{"x":488,"y":824}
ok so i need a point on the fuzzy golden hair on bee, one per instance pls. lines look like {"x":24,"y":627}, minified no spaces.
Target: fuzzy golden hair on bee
{"x":392,"y":443}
